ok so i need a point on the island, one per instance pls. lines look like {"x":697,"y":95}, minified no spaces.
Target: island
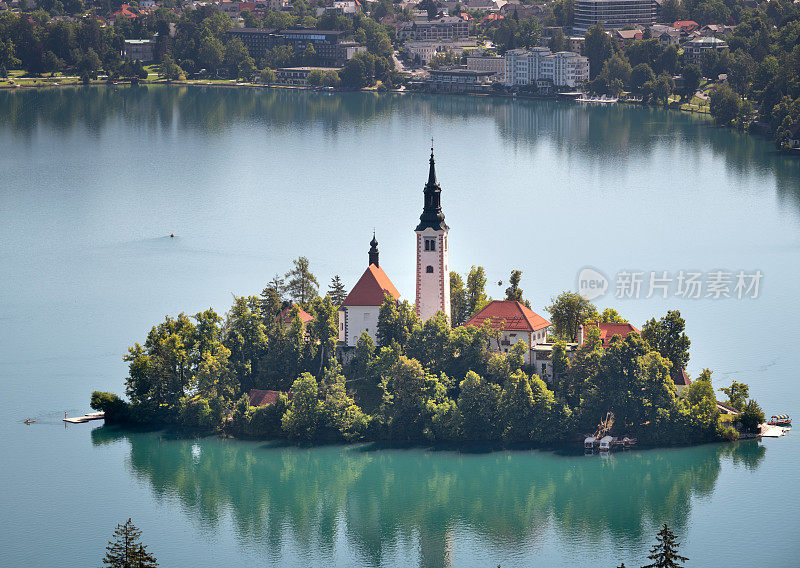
{"x":454,"y":366}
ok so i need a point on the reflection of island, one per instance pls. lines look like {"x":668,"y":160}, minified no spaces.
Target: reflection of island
{"x":594,"y":133}
{"x":380,"y":498}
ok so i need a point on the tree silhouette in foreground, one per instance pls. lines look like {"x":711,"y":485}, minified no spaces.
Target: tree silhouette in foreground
{"x":125,"y":551}
{"x":665,"y":553}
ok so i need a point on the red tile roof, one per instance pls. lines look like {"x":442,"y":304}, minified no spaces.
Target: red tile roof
{"x":370,"y":288}
{"x":609,"y":330}
{"x":260,"y":397}
{"x":509,"y":316}
{"x":688,"y":25}
{"x":286,"y":315}
{"x":681,"y":378}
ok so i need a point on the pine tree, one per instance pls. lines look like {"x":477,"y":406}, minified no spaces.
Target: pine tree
{"x":302,"y":285}
{"x":514,"y":292}
{"x":125,"y":551}
{"x":337,"y":291}
{"x":665,"y":553}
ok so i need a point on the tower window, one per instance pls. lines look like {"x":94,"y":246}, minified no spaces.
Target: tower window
{"x":430,"y":244}
{"x":429,"y":270}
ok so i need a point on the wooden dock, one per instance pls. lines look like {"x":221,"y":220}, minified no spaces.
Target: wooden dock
{"x":85,"y":418}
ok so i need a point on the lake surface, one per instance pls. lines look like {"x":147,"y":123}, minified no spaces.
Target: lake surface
{"x":93,"y":181}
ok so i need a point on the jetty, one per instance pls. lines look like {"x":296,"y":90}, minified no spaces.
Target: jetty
{"x":85,"y":418}
{"x":772,"y":431}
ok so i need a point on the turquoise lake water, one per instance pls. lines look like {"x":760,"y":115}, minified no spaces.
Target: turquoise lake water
{"x":93,"y":181}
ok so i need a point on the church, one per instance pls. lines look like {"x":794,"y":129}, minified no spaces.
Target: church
{"x":359,"y":312}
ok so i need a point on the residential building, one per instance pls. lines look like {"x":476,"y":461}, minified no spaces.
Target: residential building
{"x":686,"y":26}
{"x":341,"y":7}
{"x":666,"y":35}
{"x":613,"y":14}
{"x":525,"y":67}
{"x":716,"y":30}
{"x":139,"y":49}
{"x":623,"y":36}
{"x":448,"y":27}
{"x":359,"y":311}
{"x":513,"y":322}
{"x":693,"y":50}
{"x":496,"y":65}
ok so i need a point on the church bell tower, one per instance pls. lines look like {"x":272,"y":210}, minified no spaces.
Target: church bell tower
{"x":433,"y":257}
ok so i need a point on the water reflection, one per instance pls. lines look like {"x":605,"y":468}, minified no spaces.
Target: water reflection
{"x":595,"y":133}
{"x":378,"y":499}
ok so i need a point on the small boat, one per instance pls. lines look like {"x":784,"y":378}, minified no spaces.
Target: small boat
{"x":589,"y":442}
{"x":605,"y":443}
{"x":780,"y":420}
{"x":29,"y":421}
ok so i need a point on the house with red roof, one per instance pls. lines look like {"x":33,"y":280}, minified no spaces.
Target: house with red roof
{"x":259,"y":397}
{"x":124,"y":11}
{"x":607,"y":331}
{"x":359,"y":311}
{"x":686,"y":26}
{"x":515,"y":322}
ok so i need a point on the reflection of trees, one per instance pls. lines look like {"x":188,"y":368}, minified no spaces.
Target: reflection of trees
{"x":384,"y":497}
{"x":594,"y":132}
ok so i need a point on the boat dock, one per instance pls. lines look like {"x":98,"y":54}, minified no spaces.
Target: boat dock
{"x":770,"y":431}
{"x":85,"y":418}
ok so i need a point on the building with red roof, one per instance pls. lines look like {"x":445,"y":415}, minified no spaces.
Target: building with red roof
{"x":359,"y":311}
{"x":607,"y":331}
{"x":515,"y":322}
{"x":287,"y":314}
{"x":686,"y":26}
{"x":260,"y":397}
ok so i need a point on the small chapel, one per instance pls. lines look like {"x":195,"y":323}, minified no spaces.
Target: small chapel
{"x":359,"y":311}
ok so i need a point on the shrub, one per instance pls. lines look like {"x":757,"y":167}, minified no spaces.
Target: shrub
{"x":116,"y":409}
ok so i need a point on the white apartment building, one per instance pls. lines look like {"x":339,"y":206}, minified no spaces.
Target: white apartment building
{"x":496,"y":65}
{"x":563,"y":69}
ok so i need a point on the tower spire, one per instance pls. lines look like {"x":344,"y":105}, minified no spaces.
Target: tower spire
{"x":373,"y":251}
{"x":432,"y":215}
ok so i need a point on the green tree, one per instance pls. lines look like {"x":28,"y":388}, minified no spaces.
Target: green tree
{"x":301,"y":284}
{"x":303,"y":417}
{"x":309,"y":55}
{"x":664,"y":554}
{"x":476,"y":297}
{"x":330,"y":78}
{"x":558,"y":42}
{"x":598,"y":47}
{"x":568,"y":311}
{"x":323,"y":331}
{"x":458,"y":300}
{"x":126,"y":550}
{"x":610,"y":315}
{"x":691,"y":81}
{"x":640,"y":75}
{"x":169,"y":70}
{"x":752,"y":416}
{"x":737,"y":394}
{"x":667,"y":336}
{"x":724,"y":105}
{"x":314,"y":77}
{"x":355,"y":74}
{"x":514,"y":292}
{"x":617,"y":67}
{"x":336,"y":291}
{"x":267,"y":76}
{"x":396,"y":321}
{"x":478,"y":407}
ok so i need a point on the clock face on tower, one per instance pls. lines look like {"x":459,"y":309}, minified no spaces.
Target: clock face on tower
{"x":433,"y":279}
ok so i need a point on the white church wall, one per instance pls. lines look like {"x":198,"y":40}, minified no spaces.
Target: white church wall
{"x":433,"y":288}
{"x":359,"y":320}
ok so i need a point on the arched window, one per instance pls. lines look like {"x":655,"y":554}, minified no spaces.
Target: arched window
{"x":429,"y":270}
